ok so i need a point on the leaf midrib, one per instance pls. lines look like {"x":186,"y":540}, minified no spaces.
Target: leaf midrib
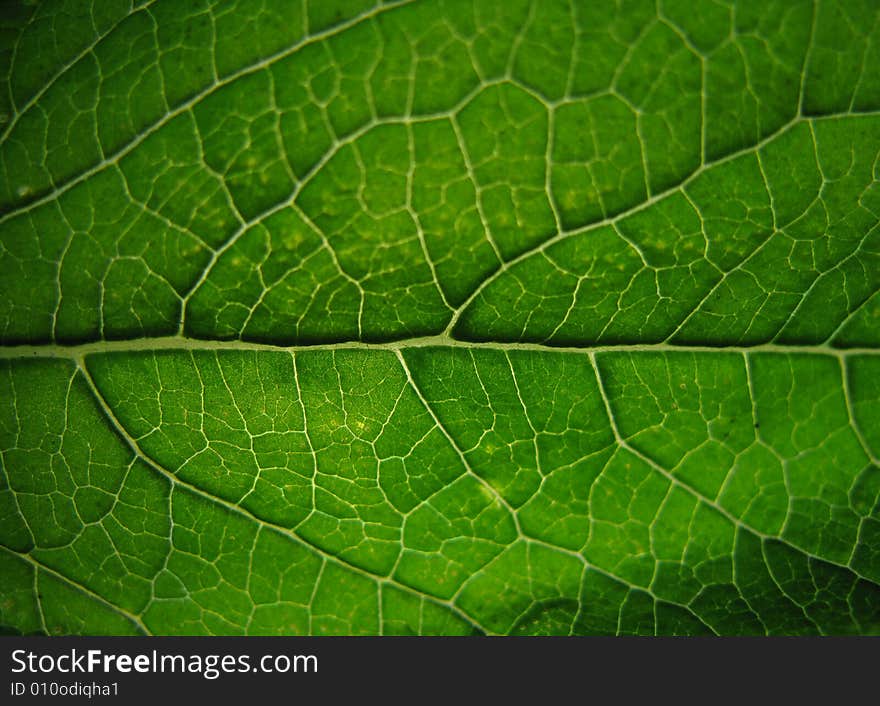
{"x":184,"y":343}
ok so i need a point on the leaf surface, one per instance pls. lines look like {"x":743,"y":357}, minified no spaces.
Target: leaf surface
{"x":440,"y":318}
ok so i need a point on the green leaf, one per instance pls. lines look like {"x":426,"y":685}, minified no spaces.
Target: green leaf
{"x":440,"y":317}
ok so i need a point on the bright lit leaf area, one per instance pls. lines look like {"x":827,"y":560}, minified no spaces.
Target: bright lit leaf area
{"x":440,"y":317}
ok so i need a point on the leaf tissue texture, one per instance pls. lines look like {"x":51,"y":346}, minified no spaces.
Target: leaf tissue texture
{"x":440,"y":317}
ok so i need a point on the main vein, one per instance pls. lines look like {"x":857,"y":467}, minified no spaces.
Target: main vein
{"x":183,"y":343}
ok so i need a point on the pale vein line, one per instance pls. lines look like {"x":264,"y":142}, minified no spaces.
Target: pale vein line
{"x":63,"y":69}
{"x":851,"y":413}
{"x":38,"y":566}
{"x":868,"y":301}
{"x":521,"y":535}
{"x":642,"y":205}
{"x":785,"y":594}
{"x":672,"y":478}
{"x":499,"y":499}
{"x":134,"y":446}
{"x":195,"y":99}
{"x":802,"y":89}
